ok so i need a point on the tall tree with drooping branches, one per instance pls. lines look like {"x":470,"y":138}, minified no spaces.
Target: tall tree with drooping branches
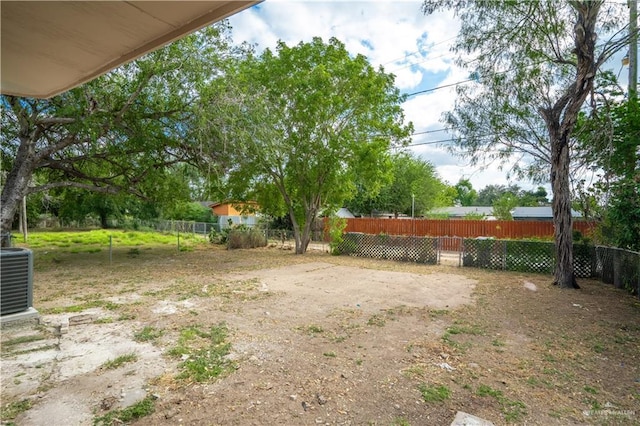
{"x":124,"y":132}
{"x":534,"y":64}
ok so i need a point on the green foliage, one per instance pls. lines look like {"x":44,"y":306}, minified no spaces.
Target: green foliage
{"x":513,"y":410}
{"x":503,"y":206}
{"x":438,"y":393}
{"x":413,"y":185}
{"x":302,"y":126}
{"x":148,"y":334}
{"x":204,"y":353}
{"x":216,"y":237}
{"x":622,"y":222}
{"x":119,"y":361}
{"x":465,"y":194}
{"x":474,"y":216}
{"x":11,"y":410}
{"x":244,"y":238}
{"x":490,"y":194}
{"x":336,"y":233}
{"x":610,"y":141}
{"x":190,"y":211}
{"x":85,"y":240}
{"x":126,"y":132}
{"x":136,"y":411}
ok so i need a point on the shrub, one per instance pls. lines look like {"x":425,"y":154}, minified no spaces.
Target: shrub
{"x":336,"y":228}
{"x":243,"y":237}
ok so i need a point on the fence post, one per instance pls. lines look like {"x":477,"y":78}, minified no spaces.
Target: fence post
{"x":504,"y":255}
{"x":110,"y":250}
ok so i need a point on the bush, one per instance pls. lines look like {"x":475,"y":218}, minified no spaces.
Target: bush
{"x":244,"y":237}
{"x":336,"y":237}
{"x":221,"y":237}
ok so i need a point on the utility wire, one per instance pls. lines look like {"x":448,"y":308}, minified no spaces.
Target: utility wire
{"x":439,"y":87}
{"x":430,"y":131}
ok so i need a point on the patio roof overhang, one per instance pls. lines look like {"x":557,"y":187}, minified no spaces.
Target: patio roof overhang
{"x":48,"y":47}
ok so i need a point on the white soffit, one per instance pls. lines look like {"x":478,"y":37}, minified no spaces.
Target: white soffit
{"x":48,"y":47}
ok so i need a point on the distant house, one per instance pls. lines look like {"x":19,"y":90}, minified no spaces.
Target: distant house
{"x":538,"y":213}
{"x":344,"y":213}
{"x":239,"y":213}
{"x":518,"y":213}
{"x":463,"y":212}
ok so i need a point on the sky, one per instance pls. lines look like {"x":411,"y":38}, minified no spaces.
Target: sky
{"x":397,"y":36}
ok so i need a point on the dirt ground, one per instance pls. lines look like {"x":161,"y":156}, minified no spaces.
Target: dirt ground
{"x":319,"y":339}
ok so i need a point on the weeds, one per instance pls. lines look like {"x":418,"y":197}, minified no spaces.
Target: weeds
{"x":513,"y":410}
{"x":134,"y":412}
{"x":148,"y":334}
{"x":400,"y":421}
{"x":13,"y":409}
{"x":314,"y":329}
{"x":119,"y":361}
{"x":203,"y":353}
{"x":434,"y":393}
{"x":377,"y":320}
{"x":22,"y":340}
{"x":111,"y":306}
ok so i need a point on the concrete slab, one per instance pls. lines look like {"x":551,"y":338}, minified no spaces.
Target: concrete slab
{"x":26,"y":317}
{"x":466,"y":419}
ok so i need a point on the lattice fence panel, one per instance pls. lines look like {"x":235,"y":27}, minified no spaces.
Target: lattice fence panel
{"x":484,"y":253}
{"x":530,"y":256}
{"x":584,"y":261}
{"x":527,"y":256}
{"x":391,"y":247}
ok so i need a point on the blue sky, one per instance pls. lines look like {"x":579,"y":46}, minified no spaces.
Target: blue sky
{"x":396,"y":35}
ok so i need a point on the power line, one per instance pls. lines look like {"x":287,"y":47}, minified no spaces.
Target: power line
{"x":444,"y":86}
{"x":430,"y":142}
{"x":430,"y":131}
{"x":439,"y":87}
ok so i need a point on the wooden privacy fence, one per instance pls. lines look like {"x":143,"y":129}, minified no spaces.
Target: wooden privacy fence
{"x":503,"y":229}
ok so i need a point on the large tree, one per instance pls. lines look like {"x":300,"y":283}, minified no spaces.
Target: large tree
{"x":414,"y":187}
{"x":467,"y":196}
{"x":299,"y":127}
{"x":535,"y":63}
{"x":117,"y":133}
{"x":488,"y":195}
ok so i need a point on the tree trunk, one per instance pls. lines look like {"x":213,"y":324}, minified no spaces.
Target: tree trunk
{"x":16,"y":185}
{"x":560,"y":119}
{"x":104,"y":224}
{"x":296,"y":234}
{"x":562,"y":220}
{"x":306,"y":236}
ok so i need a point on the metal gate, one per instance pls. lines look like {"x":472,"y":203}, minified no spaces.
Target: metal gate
{"x":450,"y":250}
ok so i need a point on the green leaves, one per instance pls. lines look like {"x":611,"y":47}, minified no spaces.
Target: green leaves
{"x":124,"y":132}
{"x":412,"y":184}
{"x":307,"y":121}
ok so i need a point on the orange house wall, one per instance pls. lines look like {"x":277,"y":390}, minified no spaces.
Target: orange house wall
{"x":228,"y":210}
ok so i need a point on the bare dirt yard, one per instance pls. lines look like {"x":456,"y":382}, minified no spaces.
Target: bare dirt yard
{"x":265,"y":337}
